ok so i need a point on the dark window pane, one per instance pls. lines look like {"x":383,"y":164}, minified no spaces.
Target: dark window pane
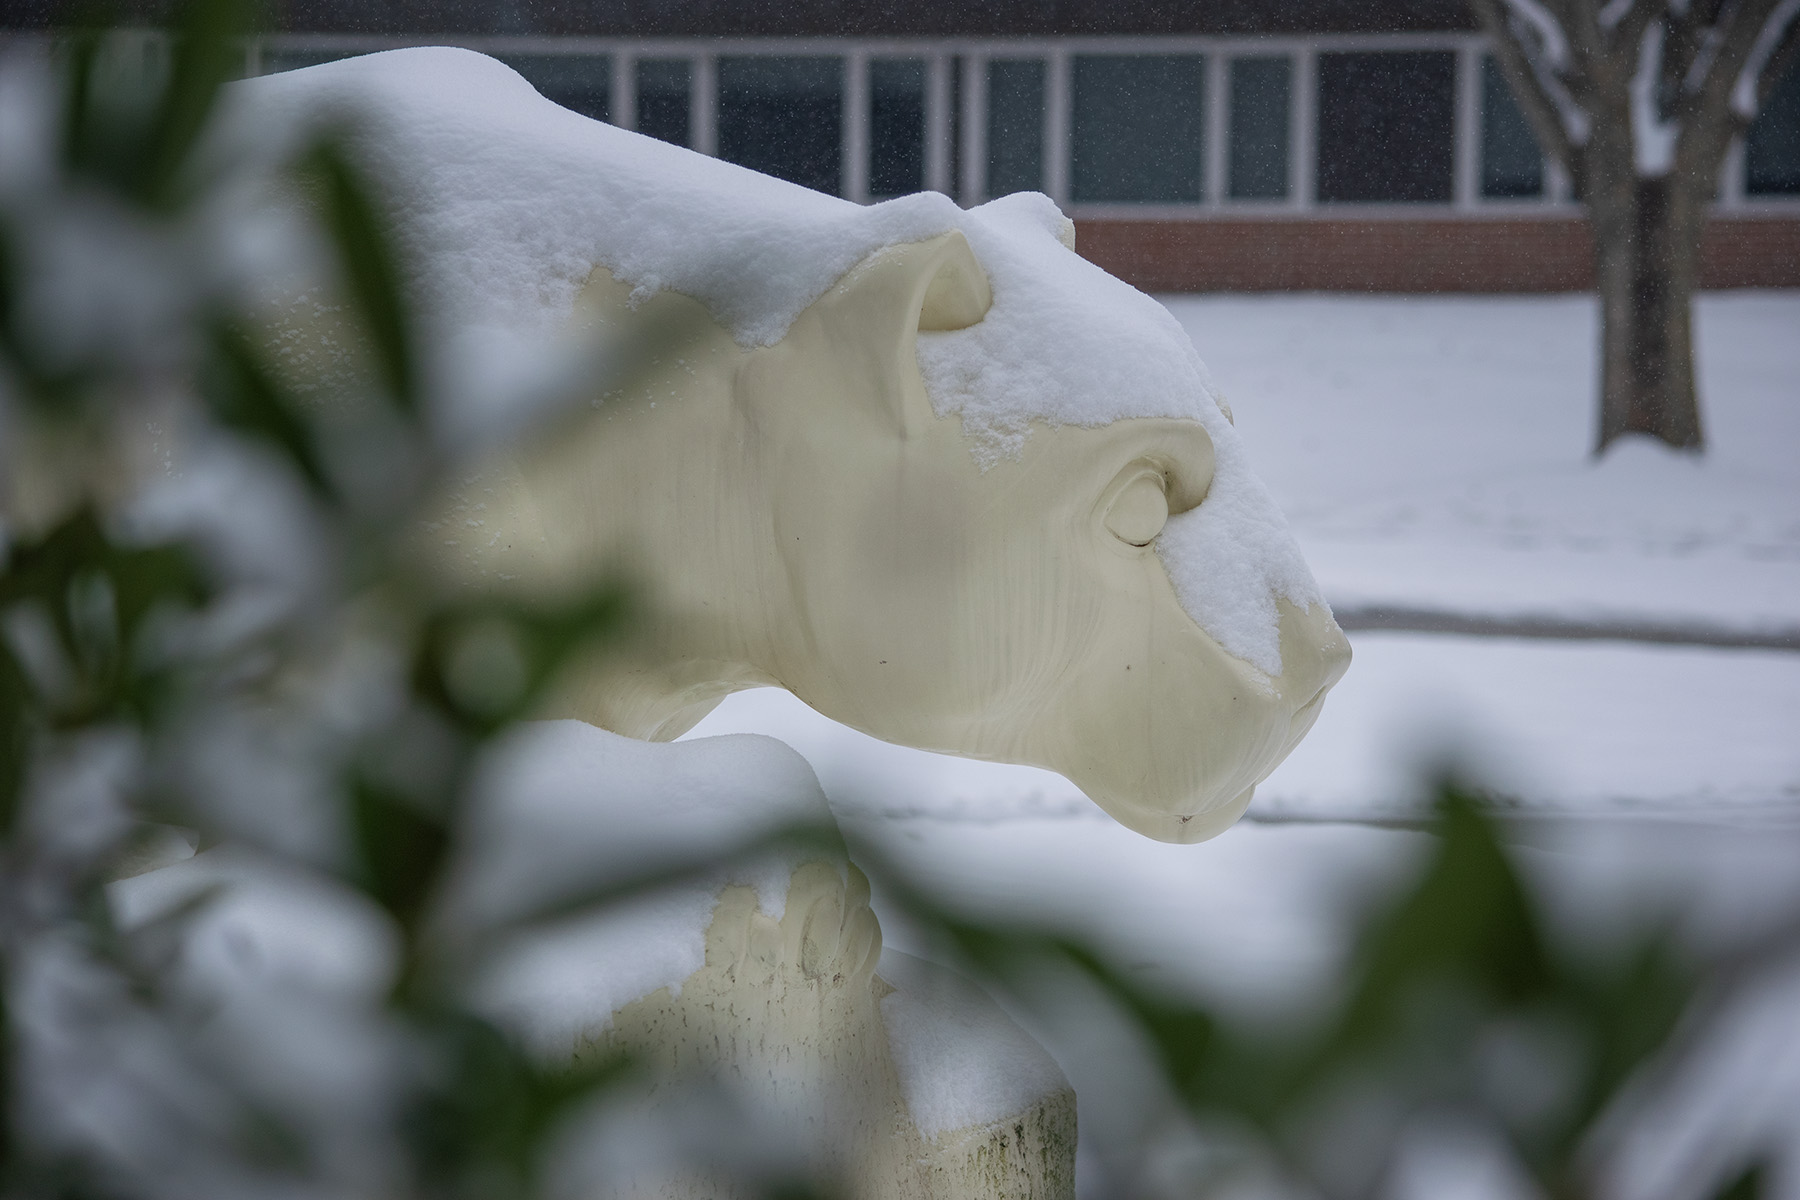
{"x":1138,"y":128}
{"x":1772,"y":148}
{"x":662,"y":98}
{"x":1259,"y":128}
{"x":1511,"y":163}
{"x":1386,"y":126}
{"x":1015,"y":132}
{"x":784,"y":117}
{"x":896,"y":126}
{"x":956,"y":107}
{"x":292,"y":60}
{"x":577,"y":82}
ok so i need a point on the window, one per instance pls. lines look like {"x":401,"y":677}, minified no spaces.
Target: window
{"x":1257,"y":149}
{"x":1138,"y":128}
{"x":1511,"y":163}
{"x":784,"y":117}
{"x":954,"y":181}
{"x":1772,"y":147}
{"x":1386,"y":127}
{"x":896,"y":126}
{"x":1015,"y":131}
{"x":582,"y":83}
{"x":663,"y":88}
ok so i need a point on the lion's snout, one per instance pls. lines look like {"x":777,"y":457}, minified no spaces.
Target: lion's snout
{"x":1175,"y":747}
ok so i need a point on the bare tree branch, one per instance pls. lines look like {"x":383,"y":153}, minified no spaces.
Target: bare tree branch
{"x":1692,"y":80}
{"x":1583,"y":21}
{"x":1787,"y":50}
{"x":1709,"y":123}
{"x":1532,"y":75}
{"x":1625,"y":36}
{"x":1550,"y":20}
{"x":1690,"y":39}
{"x":1612,"y":12}
{"x":1777,"y":45}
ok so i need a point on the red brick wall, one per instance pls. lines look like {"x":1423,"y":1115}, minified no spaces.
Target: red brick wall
{"x":1403,"y":254}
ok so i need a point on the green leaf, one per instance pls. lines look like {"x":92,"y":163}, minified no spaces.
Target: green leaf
{"x":352,"y":219}
{"x":481,"y":1129}
{"x":60,"y":570}
{"x":207,"y":52}
{"x":51,"y":391}
{"x":133,"y":129}
{"x":485,"y":690}
{"x":1749,"y":1184}
{"x":401,"y":849}
{"x":1628,"y":1013}
{"x":17,"y":730}
{"x":1468,"y":921}
{"x":244,"y":396}
{"x":80,"y":120}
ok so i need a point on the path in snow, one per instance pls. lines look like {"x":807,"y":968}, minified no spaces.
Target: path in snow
{"x":1554,"y":727}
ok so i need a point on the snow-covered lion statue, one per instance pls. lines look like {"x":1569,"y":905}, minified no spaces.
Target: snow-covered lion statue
{"x":926,"y":468}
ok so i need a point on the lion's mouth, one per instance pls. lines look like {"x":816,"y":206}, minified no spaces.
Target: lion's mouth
{"x":1309,"y":711}
{"x":1299,"y":725}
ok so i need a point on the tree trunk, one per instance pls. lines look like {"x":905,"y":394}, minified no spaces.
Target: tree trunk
{"x":1646,"y":247}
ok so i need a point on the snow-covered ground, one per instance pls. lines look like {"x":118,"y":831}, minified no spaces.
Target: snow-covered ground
{"x":1435,"y":454}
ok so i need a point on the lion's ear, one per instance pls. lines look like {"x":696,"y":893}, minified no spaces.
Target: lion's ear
{"x":897,"y":291}
{"x":956,"y":293}
{"x":875,"y":313}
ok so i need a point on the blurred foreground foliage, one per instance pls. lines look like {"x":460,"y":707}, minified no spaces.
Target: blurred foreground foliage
{"x":1461,"y":1018}
{"x":136,"y":646}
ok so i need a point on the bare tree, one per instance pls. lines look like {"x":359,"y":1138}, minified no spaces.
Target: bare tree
{"x":1639,"y":101}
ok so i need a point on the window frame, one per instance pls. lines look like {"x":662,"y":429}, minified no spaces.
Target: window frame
{"x":956,"y":74}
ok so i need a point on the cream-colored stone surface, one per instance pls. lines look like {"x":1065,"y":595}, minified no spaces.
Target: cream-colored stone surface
{"x":787,"y":1014}
{"x":798,"y":515}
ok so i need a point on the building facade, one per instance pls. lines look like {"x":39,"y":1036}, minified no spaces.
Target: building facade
{"x":1315,"y":144}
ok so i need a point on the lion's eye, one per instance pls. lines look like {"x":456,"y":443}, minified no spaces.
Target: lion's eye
{"x":1140,"y":509}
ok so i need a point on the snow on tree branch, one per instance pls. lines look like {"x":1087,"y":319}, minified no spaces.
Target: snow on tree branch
{"x":1532,"y":34}
{"x":1634,"y":19}
{"x":1551,"y":40}
{"x":1612,"y":12}
{"x":1652,"y":135}
{"x":1693,"y":79}
{"x":1747,"y":92}
{"x":1529,"y":63}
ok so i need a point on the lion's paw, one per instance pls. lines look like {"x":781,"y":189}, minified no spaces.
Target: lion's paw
{"x":826,"y":933}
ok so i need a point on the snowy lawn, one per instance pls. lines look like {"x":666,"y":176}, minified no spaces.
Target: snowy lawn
{"x":1433,"y":453}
